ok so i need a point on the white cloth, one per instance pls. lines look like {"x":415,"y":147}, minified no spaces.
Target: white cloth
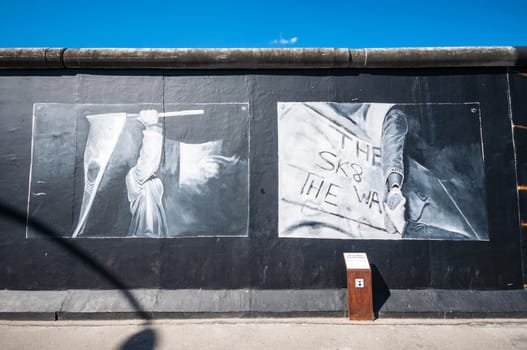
{"x":145,"y":191}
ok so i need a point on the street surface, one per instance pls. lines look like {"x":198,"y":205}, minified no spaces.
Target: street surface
{"x":266,"y":333}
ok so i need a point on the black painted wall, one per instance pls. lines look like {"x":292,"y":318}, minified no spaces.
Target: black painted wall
{"x":261,"y":260}
{"x":518,"y":86}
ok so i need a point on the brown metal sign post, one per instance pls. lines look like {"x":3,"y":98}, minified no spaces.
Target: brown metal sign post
{"x":360,"y":299}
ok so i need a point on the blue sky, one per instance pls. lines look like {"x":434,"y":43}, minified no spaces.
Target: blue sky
{"x":271,"y":23}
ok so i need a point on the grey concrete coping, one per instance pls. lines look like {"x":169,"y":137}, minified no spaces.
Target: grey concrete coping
{"x":308,"y":58}
{"x":114,"y":304}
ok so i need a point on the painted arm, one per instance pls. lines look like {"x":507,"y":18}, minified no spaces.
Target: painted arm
{"x":149,"y":155}
{"x":395,"y":128}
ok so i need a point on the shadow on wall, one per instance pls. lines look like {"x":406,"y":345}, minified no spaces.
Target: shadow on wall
{"x":381,"y":292}
{"x":145,"y":339}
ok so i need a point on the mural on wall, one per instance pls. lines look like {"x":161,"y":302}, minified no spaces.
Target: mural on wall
{"x":140,"y":170}
{"x":381,"y":171}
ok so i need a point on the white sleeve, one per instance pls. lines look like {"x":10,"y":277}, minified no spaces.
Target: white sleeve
{"x":148,"y":161}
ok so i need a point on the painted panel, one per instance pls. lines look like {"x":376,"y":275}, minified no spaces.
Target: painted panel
{"x":381,"y":171}
{"x":140,"y":170}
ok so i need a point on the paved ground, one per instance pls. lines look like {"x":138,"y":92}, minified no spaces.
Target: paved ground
{"x":266,"y":333}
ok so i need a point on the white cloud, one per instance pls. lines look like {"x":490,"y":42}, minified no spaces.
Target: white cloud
{"x":284,"y":41}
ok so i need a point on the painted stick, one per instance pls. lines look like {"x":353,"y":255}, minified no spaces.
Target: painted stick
{"x":172,"y":114}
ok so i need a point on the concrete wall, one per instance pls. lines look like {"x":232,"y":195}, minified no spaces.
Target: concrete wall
{"x":38,"y":252}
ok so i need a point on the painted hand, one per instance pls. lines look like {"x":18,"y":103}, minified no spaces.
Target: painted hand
{"x":148,"y":117}
{"x":395,"y":208}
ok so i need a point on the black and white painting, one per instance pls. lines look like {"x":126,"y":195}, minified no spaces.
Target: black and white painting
{"x":140,"y":170}
{"x":381,"y":171}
